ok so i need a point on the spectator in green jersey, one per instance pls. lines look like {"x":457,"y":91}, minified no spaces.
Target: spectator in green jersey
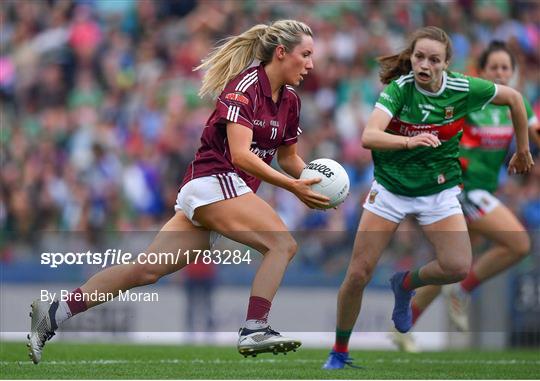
{"x":486,"y":138}
{"x":414,"y":134}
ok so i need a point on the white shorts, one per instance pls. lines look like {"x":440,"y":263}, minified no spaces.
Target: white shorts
{"x":207,"y":190}
{"x":426,"y":209}
{"x":477,"y":203}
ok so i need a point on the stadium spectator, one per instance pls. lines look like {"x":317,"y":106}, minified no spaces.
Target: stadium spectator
{"x":199,"y":285}
{"x":35,"y":38}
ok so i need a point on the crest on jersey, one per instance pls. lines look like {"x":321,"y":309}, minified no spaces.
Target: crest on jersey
{"x":441,"y":179}
{"x":372,"y":195}
{"x":237,"y":97}
{"x":448,"y":112}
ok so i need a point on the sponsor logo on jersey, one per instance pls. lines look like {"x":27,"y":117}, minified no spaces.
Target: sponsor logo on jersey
{"x":372,"y":195}
{"x":321,"y":168}
{"x":448,"y":112}
{"x":259,"y":123}
{"x":386,"y":96}
{"x":237,"y":97}
{"x":274,"y":123}
{"x":263,"y":153}
{"x":443,"y":131}
{"x":487,"y":137}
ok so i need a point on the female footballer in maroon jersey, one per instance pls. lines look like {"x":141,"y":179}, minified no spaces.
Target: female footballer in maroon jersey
{"x":256,"y":117}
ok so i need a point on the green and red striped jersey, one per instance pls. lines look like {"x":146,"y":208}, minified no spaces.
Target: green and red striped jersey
{"x":425,"y":170}
{"x":486,"y":137}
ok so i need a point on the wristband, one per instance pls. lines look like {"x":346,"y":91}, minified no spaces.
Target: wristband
{"x":407,"y":142}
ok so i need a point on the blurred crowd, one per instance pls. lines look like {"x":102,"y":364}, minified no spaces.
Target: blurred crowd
{"x":100,"y":114}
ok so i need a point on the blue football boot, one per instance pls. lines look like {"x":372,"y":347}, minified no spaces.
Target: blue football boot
{"x":338,"y":360}
{"x":402,"y":314}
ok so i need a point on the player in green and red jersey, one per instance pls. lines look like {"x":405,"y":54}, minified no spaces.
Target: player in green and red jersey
{"x":484,"y":145}
{"x":414,"y":134}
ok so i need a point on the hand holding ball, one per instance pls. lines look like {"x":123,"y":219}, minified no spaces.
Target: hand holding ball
{"x":334,"y":182}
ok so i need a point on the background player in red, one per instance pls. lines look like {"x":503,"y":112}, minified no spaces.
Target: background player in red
{"x":256,"y":117}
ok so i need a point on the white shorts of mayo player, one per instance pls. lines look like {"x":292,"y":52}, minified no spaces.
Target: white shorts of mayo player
{"x":426,"y":209}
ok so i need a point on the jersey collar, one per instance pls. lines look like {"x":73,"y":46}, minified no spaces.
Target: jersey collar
{"x":264,"y":81}
{"x":267,"y":90}
{"x":429,"y":93}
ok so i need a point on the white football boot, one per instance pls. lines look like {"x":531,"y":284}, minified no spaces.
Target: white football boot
{"x":405,"y":342}
{"x":252,"y":342}
{"x":458,"y":301}
{"x":42,"y":328}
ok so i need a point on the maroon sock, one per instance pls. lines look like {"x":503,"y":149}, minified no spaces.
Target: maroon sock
{"x":75,"y":302}
{"x":258,"y":308}
{"x":416,"y":312}
{"x":471,"y":282}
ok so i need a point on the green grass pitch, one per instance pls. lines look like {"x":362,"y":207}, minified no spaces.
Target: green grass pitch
{"x":124,"y":361}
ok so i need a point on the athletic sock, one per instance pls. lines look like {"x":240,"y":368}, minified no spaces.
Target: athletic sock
{"x":470,"y":282}
{"x":255,"y":325}
{"x":70,"y":307}
{"x":412,"y":280}
{"x":62,"y":313}
{"x":257,"y":313}
{"x":342,"y":340}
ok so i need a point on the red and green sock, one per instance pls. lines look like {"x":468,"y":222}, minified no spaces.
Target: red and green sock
{"x":416,"y":312}
{"x":470,"y":282}
{"x":412,"y":280}
{"x":342,"y":340}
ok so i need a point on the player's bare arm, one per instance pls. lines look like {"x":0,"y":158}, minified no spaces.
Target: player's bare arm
{"x":522,"y":160}
{"x":289,"y":160}
{"x":240,"y":139}
{"x":375,"y":137}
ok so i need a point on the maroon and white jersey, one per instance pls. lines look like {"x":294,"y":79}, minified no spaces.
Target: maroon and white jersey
{"x":247,"y":100}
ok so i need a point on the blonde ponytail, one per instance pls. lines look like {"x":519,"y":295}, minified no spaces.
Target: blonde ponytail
{"x":236,"y":53}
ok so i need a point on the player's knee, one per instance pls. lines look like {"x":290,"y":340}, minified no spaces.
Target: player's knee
{"x":288,"y":246}
{"x":359,"y":277}
{"x":146,"y":274}
{"x":285,"y":245}
{"x":522,"y":247}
